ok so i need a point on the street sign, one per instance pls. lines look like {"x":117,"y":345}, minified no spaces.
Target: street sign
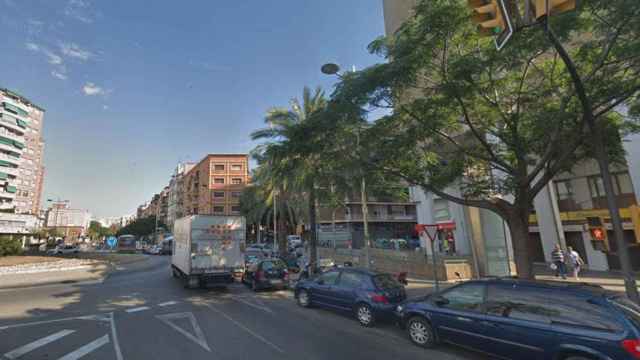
{"x":112,"y":241}
{"x":504,"y":36}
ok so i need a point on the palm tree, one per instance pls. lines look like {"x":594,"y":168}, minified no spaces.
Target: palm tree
{"x":290,"y":154}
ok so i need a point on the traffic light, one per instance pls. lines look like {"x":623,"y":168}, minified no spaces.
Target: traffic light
{"x":488,"y":15}
{"x":555,"y":7}
{"x":493,"y":19}
{"x":598,"y":233}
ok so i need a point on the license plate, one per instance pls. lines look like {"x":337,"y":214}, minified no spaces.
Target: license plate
{"x":276,"y":282}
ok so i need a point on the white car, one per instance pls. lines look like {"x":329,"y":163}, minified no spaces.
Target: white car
{"x":64,"y":249}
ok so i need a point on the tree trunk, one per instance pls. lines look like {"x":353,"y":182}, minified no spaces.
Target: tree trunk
{"x":518,"y":223}
{"x":313,"y":249}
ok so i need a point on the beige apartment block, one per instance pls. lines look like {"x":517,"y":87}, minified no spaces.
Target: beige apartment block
{"x":214,"y":185}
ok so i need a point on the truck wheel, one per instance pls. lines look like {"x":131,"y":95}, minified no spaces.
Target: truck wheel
{"x":174,"y":273}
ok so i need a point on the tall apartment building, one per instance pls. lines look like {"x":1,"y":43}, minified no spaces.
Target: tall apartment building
{"x":72,"y":223}
{"x":175,"y":208}
{"x":21,"y":153}
{"x":214,"y":185}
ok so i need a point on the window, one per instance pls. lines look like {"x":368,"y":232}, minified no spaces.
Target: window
{"x":575,"y":311}
{"x":218,"y":209}
{"x":596,"y":186}
{"x":385,"y":281}
{"x":351,"y":280}
{"x":218,"y":194}
{"x":236,"y":181}
{"x":218,"y":180}
{"x":623,"y":181}
{"x":236,"y":194}
{"x":235,"y":208}
{"x":218,"y":167}
{"x":564,"y":189}
{"x":236,"y":167}
{"x":441,"y":210}
{"x":467,"y":297}
{"x":518,"y":303}
{"x":329,"y":278}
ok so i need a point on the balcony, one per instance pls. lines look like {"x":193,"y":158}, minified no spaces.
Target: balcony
{"x":9,"y":135}
{"x":7,"y":195}
{"x":383,"y":217}
{"x":10,"y":159}
{"x":6,"y":205}
{"x":12,"y":123}
{"x":9,"y":170}
{"x":14,"y":109}
{"x":10,"y":148}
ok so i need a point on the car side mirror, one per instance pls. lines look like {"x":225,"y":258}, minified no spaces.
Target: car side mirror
{"x":440,"y":300}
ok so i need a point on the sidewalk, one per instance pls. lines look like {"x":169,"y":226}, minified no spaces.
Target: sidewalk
{"x":610,"y":280}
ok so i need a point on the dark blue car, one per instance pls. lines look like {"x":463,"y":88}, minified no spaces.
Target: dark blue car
{"x":368,"y":295}
{"x":518,"y":319}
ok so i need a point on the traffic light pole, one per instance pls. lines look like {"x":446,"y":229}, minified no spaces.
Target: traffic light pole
{"x":603,"y":163}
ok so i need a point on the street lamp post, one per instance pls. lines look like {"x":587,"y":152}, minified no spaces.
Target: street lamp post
{"x":275,"y":219}
{"x":334,"y":69}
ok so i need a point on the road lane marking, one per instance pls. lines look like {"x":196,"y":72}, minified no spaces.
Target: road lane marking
{"x":259,"y":307}
{"x":251,"y":332}
{"x":199,"y":335}
{"x":141,"y":308}
{"x":84,"y":350}
{"x":167,"y":303}
{"x":14,"y":354}
{"x":43,"y":322}
{"x":114,"y":336}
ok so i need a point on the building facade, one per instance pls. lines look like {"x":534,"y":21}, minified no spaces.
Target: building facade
{"x":214,"y":185}
{"x":175,"y":207}
{"x":71,"y":223}
{"x":388,"y":219}
{"x":21,"y":150}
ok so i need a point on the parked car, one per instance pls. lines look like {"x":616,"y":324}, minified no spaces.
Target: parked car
{"x":518,"y":319}
{"x":323,"y":265}
{"x":367,"y":294}
{"x":64,"y":249}
{"x":266,"y":273}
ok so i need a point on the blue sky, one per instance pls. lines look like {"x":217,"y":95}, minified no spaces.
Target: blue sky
{"x":131,"y":87}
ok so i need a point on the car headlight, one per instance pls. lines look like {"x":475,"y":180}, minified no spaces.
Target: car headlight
{"x":399,"y":308}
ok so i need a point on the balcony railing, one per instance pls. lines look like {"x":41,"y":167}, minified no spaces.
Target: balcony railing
{"x":10,"y":135}
{"x":10,"y":171}
{"x":12,"y":124}
{"x":382,"y":217}
{"x":9,"y":158}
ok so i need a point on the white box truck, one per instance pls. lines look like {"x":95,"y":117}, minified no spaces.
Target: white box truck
{"x":208,"y":249}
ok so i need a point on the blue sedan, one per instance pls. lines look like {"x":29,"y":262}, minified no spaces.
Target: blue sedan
{"x":368,"y":295}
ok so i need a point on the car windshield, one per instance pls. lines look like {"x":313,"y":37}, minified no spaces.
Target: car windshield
{"x":385,"y":281}
{"x":274,"y":265}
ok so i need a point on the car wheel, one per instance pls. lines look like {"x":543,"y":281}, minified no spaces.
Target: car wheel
{"x":304,"y":300}
{"x":364,"y":314}
{"x":420,"y":332}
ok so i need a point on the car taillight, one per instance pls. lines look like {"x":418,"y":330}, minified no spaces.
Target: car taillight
{"x":633,"y":347}
{"x":286,"y":274}
{"x":377,"y":298}
{"x":259,"y":275}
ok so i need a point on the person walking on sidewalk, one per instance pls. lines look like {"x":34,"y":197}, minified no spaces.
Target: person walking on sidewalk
{"x":576,"y":261}
{"x":557,"y":256}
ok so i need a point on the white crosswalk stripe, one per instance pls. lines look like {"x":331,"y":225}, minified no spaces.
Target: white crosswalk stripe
{"x":84,"y":350}
{"x":14,"y":354}
{"x":141,"y":308}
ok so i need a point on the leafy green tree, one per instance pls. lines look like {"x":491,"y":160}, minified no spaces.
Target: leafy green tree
{"x":140,"y":227}
{"x":289,"y":152}
{"x":498,"y":126}
{"x":10,"y":245}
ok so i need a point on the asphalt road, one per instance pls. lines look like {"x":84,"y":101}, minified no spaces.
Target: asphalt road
{"x":141,"y":312}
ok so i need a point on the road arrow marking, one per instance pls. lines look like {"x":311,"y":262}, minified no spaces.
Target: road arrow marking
{"x":199,"y":336}
{"x":14,"y":354}
{"x":167,"y":303}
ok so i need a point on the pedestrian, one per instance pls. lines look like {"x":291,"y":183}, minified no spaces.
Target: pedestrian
{"x":576,"y":261}
{"x":557,"y":256}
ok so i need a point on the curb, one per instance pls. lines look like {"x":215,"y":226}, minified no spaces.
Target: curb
{"x":84,"y":281}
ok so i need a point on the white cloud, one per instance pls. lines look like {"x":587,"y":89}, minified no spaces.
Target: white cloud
{"x":52,"y":57}
{"x":91,"y":89}
{"x":58,"y":75}
{"x":32,"y":46}
{"x":75,"y":51}
{"x":79,"y":10}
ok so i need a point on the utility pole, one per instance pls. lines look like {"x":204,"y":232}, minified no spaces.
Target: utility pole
{"x":365,"y":212}
{"x":275,"y":219}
